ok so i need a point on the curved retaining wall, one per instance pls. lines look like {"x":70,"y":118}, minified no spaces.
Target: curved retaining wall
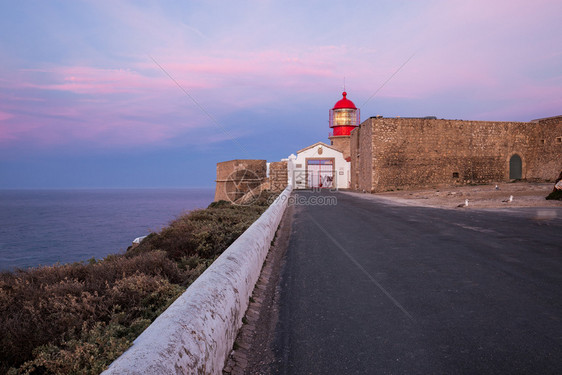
{"x":196,"y":333}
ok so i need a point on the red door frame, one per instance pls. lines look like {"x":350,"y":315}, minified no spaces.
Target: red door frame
{"x":333,"y":161}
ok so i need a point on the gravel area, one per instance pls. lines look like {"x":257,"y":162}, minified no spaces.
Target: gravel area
{"x":525,"y":194}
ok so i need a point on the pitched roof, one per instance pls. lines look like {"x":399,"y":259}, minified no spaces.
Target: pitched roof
{"x":318,"y":144}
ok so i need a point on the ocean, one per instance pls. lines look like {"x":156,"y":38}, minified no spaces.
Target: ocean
{"x":44,"y":227}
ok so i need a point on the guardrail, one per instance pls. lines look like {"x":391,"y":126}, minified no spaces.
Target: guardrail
{"x":196,"y":333}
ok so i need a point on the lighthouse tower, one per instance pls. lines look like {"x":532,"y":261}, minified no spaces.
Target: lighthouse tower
{"x":344,"y":117}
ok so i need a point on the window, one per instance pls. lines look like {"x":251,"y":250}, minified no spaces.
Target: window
{"x":455,"y":174}
{"x":559,"y":139}
{"x":320,"y":162}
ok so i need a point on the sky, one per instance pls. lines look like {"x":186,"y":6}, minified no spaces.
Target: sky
{"x":147,"y":94}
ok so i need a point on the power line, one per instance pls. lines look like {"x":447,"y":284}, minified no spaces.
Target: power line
{"x":385,"y":82}
{"x":222,"y":128}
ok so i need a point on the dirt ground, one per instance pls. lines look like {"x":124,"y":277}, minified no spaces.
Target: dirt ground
{"x":525,"y":194}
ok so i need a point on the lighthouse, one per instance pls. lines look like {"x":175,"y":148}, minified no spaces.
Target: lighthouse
{"x":344,"y":117}
{"x":318,"y":166}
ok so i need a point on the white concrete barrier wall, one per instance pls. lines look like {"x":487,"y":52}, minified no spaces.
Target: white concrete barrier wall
{"x":196,"y":333}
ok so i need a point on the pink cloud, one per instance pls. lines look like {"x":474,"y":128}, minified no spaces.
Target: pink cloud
{"x":11,"y":130}
{"x":255,"y":66}
{"x":19,"y":98}
{"x":269,"y":72}
{"x":88,"y":80}
{"x":5,"y":116}
{"x":110,"y":123}
{"x":232,"y":72}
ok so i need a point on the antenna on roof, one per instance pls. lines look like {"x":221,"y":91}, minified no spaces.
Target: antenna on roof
{"x":343,"y":83}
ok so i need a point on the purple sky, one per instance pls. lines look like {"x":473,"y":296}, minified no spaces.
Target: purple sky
{"x":83,"y":104}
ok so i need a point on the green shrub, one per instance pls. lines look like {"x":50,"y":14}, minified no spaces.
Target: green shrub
{"x":205,"y":233}
{"x":96,"y":348}
{"x":77,"y":318}
{"x":49,"y":305}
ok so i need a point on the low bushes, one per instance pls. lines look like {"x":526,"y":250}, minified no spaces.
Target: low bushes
{"x":77,"y":318}
{"x":202,"y":234}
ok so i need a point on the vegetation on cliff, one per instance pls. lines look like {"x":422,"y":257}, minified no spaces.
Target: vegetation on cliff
{"x":77,"y":318}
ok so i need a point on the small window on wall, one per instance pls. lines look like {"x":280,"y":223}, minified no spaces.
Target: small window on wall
{"x":542,"y":141}
{"x":559,"y":140}
{"x":455,"y":174}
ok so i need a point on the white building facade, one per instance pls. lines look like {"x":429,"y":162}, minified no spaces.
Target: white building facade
{"x":319,"y":166}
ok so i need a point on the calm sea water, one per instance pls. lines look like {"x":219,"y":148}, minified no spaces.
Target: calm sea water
{"x":43,"y":227}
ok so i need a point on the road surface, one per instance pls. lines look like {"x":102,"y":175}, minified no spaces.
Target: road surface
{"x":370,"y":287}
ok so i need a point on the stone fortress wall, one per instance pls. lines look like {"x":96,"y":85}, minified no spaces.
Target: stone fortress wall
{"x":278,"y":176}
{"x":240,"y":177}
{"x":401,"y":153}
{"x":236,"y":177}
{"x":404,"y":153}
{"x":341,"y":143}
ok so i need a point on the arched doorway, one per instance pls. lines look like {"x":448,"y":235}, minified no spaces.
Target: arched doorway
{"x":515,"y":167}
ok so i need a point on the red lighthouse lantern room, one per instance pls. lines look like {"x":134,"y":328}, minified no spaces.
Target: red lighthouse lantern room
{"x":344,"y":117}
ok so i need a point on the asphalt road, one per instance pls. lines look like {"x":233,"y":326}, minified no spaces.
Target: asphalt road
{"x":370,"y":287}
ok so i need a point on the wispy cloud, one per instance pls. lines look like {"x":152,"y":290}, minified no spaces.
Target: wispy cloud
{"x":107,"y":91}
{"x":5,"y":116}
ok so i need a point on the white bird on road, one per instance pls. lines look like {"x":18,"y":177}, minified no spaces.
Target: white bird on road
{"x":508,"y":200}
{"x":465,"y":204}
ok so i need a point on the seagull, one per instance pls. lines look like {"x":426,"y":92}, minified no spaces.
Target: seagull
{"x":465,"y":204}
{"x":508,"y":200}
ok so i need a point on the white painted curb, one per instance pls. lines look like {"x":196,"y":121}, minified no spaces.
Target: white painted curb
{"x":196,"y":333}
